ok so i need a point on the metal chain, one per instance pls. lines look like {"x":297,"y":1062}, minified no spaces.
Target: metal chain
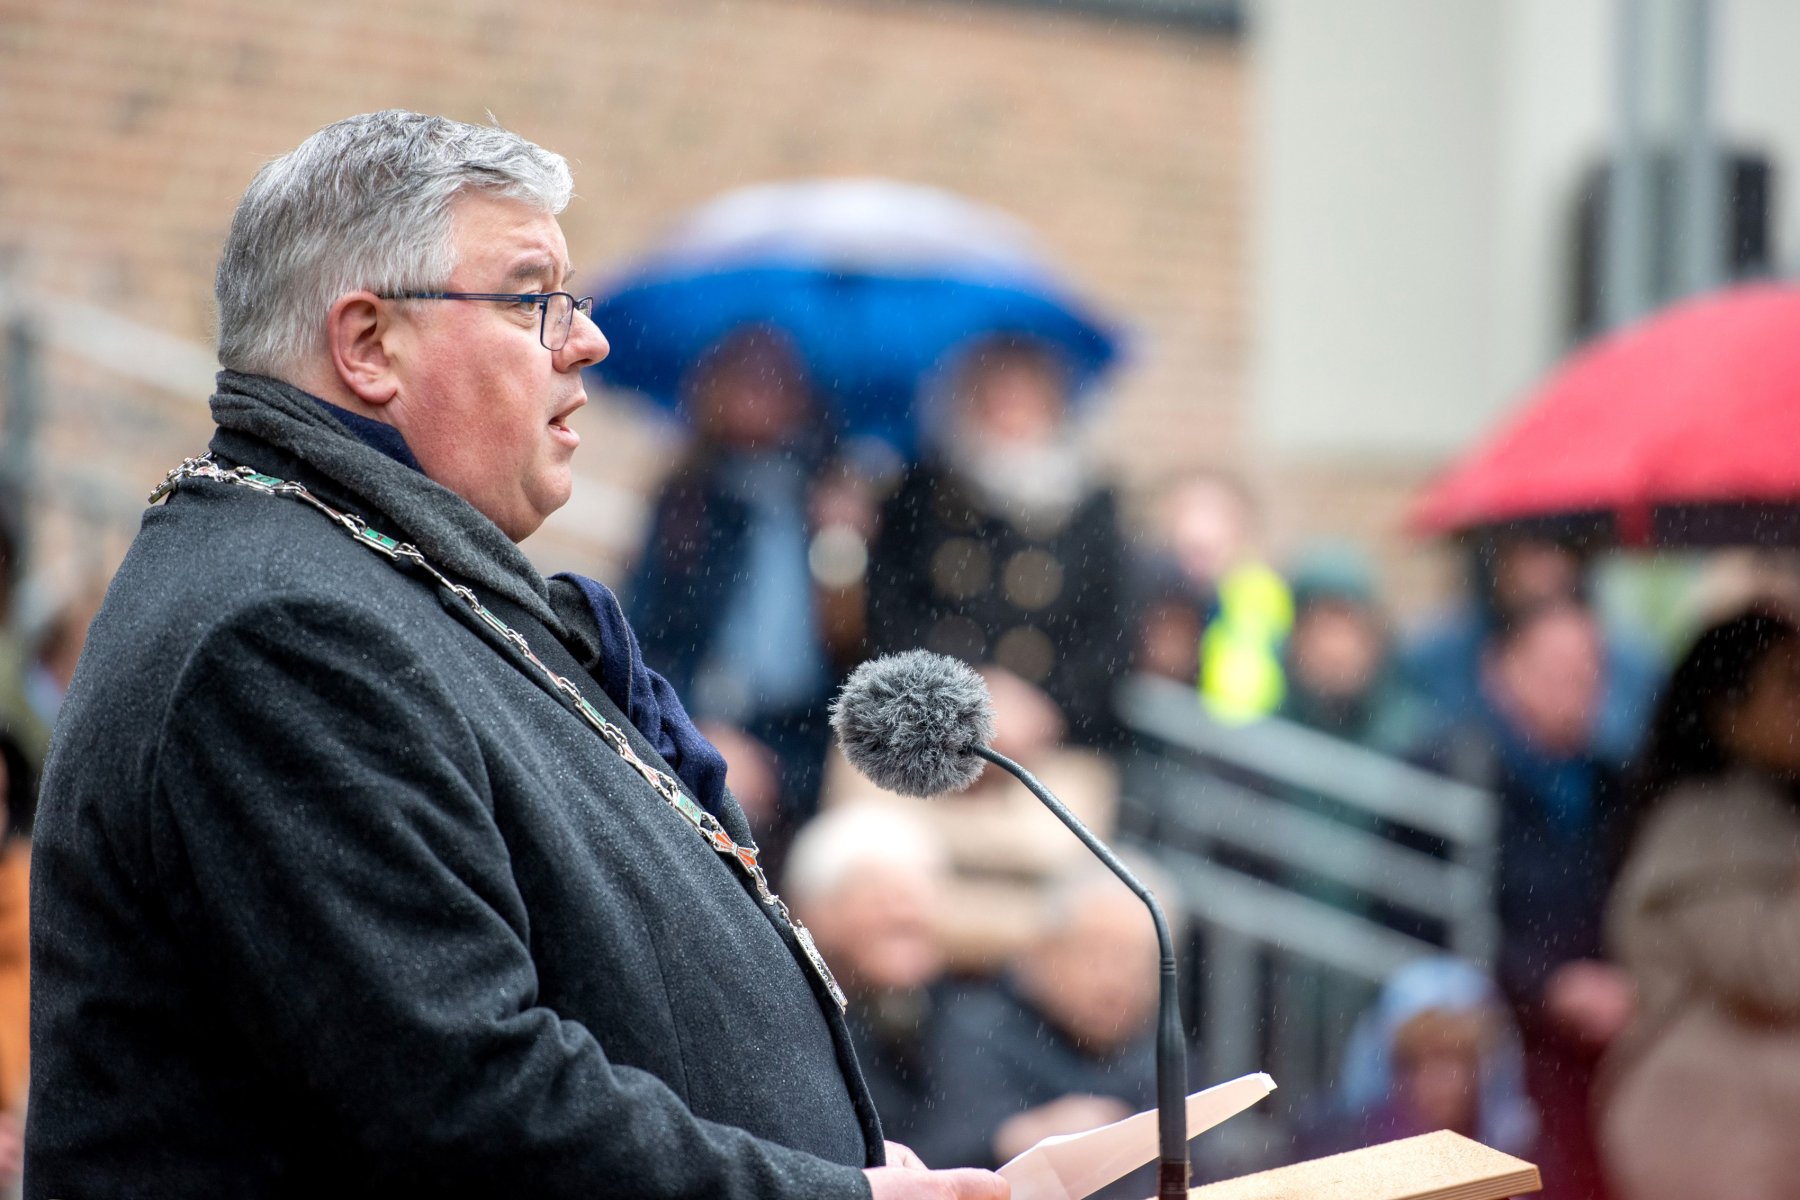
{"x":405,"y":554}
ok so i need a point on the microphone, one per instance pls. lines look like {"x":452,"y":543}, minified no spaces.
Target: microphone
{"x":918,"y":723}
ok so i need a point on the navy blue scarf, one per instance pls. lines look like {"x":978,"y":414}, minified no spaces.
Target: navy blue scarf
{"x":647,"y":698}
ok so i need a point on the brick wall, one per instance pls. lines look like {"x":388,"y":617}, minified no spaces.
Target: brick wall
{"x":127,"y":129}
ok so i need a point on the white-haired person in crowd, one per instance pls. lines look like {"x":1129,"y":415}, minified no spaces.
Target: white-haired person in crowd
{"x":869,"y":882}
{"x":1005,"y":848}
{"x":1065,"y":1042}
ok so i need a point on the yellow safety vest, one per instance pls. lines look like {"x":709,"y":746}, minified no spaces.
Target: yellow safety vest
{"x":1240,"y":652}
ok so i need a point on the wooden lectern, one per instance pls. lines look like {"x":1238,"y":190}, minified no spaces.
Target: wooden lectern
{"x":1434,"y":1166}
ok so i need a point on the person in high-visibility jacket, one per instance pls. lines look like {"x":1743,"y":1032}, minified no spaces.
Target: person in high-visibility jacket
{"x":1210,"y":522}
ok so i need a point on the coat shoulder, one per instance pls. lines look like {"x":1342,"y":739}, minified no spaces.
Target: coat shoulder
{"x":216,"y":557}
{"x":210,"y":567}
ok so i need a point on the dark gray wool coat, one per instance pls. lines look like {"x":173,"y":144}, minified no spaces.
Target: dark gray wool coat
{"x":331,"y":899}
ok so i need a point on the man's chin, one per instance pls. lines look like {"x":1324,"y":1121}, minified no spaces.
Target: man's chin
{"x":555,"y":495}
{"x":534,"y":507}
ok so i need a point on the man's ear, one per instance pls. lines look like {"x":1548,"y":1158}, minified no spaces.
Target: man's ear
{"x":357,"y":328}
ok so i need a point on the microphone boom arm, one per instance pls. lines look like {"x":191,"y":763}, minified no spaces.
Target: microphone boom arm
{"x":1171,"y":1047}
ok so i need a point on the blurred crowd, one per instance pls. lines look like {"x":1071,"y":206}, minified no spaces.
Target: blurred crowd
{"x":1002,"y":987}
{"x":1641,"y":1020}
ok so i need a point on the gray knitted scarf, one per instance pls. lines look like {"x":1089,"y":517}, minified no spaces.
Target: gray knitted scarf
{"x":445,"y":527}
{"x":581,"y":613}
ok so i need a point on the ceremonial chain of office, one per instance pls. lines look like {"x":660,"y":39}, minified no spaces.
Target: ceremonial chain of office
{"x":402,"y":555}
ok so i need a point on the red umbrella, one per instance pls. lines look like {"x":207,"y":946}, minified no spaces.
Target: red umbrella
{"x":1683,"y":429}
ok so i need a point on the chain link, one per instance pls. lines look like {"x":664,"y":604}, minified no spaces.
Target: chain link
{"x":404,"y":553}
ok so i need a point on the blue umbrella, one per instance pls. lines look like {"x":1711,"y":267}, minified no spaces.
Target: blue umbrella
{"x":876,"y":282}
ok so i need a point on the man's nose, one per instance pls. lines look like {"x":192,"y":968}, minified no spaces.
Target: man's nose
{"x":585,"y":347}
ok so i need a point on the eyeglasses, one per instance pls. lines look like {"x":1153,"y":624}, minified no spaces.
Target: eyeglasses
{"x":556,"y":309}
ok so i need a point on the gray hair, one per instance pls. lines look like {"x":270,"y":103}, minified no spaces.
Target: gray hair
{"x":363,"y":203}
{"x":1073,"y":888}
{"x":840,"y":844}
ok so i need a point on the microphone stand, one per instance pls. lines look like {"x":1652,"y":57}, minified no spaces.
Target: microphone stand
{"x":1171,"y":1048}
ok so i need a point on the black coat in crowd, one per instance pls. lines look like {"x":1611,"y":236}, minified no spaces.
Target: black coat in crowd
{"x":998,"y":1056}
{"x":332,"y":898}
{"x":1045,"y":600}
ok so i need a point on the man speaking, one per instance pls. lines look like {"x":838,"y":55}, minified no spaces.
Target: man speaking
{"x":369,"y":861}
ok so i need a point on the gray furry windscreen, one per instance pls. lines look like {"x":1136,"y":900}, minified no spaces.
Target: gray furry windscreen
{"x":911,"y":722}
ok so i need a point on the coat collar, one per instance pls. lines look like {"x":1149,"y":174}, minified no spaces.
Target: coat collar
{"x":254,"y":412}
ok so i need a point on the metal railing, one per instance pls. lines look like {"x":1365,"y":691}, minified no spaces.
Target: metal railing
{"x":88,"y":393}
{"x":1310,"y":869}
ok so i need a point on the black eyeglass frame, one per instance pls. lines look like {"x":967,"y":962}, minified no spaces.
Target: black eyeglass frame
{"x":584,"y":306}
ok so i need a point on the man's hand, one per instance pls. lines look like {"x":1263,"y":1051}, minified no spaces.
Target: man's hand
{"x":917,"y":1183}
{"x":906,"y":1177}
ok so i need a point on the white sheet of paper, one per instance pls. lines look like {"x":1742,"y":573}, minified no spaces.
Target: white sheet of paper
{"x":1078,"y":1164}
